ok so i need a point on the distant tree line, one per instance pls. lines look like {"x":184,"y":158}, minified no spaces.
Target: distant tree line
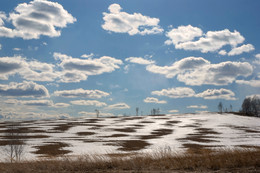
{"x":251,"y":106}
{"x":222,"y":109}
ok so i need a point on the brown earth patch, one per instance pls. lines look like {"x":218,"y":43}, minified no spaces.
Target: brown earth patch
{"x":244,"y":128}
{"x":207,"y":131}
{"x":63,"y":127}
{"x":190,"y":125}
{"x":174,"y":122}
{"x":157,"y":134}
{"x":22,"y":130}
{"x":138,"y":125}
{"x":131,"y":118}
{"x":25,"y":137}
{"x":127,"y":129}
{"x":92,"y":120}
{"x":161,"y":118}
{"x":53,"y":149}
{"x":91,"y":140}
{"x":197,"y":138}
{"x":85,"y":133}
{"x":159,"y":115}
{"x":11,"y":142}
{"x":132,"y":145}
{"x":146,"y":122}
{"x":116,"y":135}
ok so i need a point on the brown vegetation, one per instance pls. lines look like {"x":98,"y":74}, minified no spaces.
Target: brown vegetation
{"x":162,"y":161}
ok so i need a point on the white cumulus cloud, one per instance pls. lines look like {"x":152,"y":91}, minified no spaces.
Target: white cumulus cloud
{"x":24,"y":89}
{"x":154,"y":100}
{"x":36,"y":18}
{"x":182,"y":34}
{"x":76,"y":69}
{"x":183,"y":37}
{"x":179,"y":92}
{"x":199,"y":71}
{"x":241,"y":49}
{"x":217,"y":94}
{"x":122,"y":22}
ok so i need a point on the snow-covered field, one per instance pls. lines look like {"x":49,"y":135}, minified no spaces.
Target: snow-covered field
{"x":74,"y":137}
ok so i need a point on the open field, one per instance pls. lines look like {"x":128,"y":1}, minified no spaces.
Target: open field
{"x":164,"y":139}
{"x":128,"y":135}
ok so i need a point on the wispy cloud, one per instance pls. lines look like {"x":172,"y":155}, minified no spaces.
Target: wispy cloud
{"x":197,"y":107}
{"x":81,"y":93}
{"x":118,"y":106}
{"x":88,"y":103}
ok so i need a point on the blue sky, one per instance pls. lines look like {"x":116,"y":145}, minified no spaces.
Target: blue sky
{"x":68,"y":58}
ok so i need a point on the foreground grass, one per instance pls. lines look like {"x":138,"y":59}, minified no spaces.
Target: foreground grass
{"x":162,"y":161}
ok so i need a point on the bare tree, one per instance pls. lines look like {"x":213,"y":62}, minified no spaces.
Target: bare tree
{"x":15,"y":147}
{"x":158,"y":111}
{"x":220,"y":107}
{"x":97,"y":112}
{"x":137,"y":110}
{"x":230,"y":108}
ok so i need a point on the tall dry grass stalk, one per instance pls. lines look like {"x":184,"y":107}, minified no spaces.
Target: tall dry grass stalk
{"x":160,"y":161}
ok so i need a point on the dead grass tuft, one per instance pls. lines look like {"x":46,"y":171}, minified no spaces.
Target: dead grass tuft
{"x":161,"y":161}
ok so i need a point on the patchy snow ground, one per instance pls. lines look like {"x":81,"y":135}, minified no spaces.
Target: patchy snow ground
{"x":137,"y":134}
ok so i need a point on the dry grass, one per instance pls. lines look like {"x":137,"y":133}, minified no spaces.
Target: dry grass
{"x":161,"y":161}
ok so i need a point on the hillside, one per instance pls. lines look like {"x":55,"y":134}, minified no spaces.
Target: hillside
{"x":125,"y":135}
